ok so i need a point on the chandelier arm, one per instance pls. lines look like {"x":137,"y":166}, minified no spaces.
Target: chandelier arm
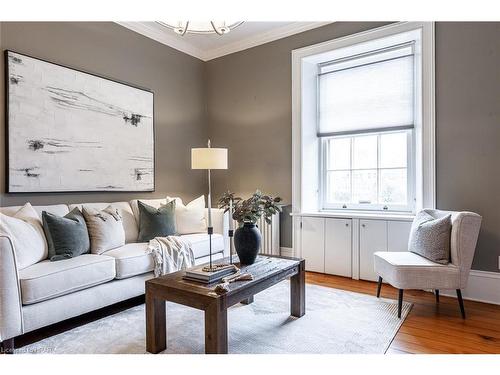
{"x":185,"y":29}
{"x":215,"y":28}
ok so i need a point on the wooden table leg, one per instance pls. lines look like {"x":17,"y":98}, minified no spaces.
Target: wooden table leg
{"x":247,"y":301}
{"x":156,"y":324}
{"x":216,"y":328}
{"x":298,"y":292}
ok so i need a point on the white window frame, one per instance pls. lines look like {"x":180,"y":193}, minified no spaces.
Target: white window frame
{"x":410,"y":183}
{"x":305,"y":192}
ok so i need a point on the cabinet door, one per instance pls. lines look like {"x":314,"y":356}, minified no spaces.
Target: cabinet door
{"x":398,"y":233}
{"x":372,"y":238}
{"x":313,"y":243}
{"x":338,"y":247}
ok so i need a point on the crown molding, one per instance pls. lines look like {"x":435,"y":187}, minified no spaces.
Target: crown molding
{"x":176,"y":42}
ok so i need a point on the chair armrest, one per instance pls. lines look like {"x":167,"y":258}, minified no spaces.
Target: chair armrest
{"x":11,"y":316}
{"x":220,"y":223}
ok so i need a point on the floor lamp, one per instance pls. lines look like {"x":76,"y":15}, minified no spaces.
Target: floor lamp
{"x":209,"y":158}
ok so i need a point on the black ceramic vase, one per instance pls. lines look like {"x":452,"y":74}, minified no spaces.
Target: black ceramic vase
{"x":247,"y":241}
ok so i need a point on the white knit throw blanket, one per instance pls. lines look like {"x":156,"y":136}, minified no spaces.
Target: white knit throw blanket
{"x":170,"y":254}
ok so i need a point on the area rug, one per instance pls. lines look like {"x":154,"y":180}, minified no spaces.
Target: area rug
{"x":336,"y":322}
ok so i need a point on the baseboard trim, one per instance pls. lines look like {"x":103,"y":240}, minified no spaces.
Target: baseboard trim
{"x":483,"y":286}
{"x":286,"y":251}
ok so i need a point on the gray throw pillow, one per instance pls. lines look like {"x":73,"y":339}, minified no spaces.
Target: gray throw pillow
{"x":156,"y":222}
{"x":430,"y":237}
{"x":105,"y":229}
{"x":67,"y":236}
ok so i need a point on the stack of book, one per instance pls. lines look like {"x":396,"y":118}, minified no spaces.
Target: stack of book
{"x":209,"y":277}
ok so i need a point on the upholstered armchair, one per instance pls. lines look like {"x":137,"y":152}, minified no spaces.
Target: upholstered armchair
{"x":407,"y":270}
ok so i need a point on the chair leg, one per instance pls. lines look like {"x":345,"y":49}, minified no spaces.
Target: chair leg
{"x":437,"y":295}
{"x":461,"y":303}
{"x":379,"y":286}
{"x":400,"y":302}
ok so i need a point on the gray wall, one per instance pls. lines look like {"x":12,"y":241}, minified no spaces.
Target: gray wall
{"x":108,"y":49}
{"x":249,"y":110}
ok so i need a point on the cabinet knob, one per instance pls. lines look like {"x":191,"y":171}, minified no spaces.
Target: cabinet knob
{"x":363,"y":225}
{"x":346,"y":224}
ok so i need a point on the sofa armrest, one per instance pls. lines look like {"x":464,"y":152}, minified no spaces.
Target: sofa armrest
{"x":11,"y":316}
{"x":220,"y":223}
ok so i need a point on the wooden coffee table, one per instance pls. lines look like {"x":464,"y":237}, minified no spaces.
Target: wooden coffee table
{"x":267,"y":271}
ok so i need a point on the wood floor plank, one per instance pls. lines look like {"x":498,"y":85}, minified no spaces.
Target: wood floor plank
{"x":431,"y":328}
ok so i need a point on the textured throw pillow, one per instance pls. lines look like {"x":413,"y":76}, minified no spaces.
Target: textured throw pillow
{"x":105,"y":229}
{"x":190,"y":218}
{"x":430,"y":237}
{"x":156,"y":222}
{"x":26,"y":233}
{"x":67,"y":236}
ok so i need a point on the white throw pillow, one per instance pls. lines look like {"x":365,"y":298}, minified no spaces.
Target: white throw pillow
{"x":26,"y":232}
{"x":190,"y":218}
{"x":105,"y":228}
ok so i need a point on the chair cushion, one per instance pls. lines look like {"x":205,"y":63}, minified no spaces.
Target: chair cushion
{"x":46,"y":280}
{"x":131,"y":260}
{"x":407,"y":270}
{"x":129,"y":222}
{"x":200,"y":243}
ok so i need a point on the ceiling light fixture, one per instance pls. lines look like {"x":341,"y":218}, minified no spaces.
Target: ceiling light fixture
{"x":200,"y":27}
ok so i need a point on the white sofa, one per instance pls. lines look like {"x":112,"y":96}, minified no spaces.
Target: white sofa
{"x":49,"y":292}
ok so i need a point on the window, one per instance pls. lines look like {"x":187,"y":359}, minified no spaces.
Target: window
{"x":368,"y":171}
{"x":365,"y":123}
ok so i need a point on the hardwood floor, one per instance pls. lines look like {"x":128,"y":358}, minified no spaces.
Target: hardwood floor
{"x":431,"y":328}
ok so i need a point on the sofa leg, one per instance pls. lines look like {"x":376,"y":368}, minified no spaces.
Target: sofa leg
{"x":437,"y":295}
{"x":461,"y":303}
{"x":400,"y":302}
{"x":7,"y":346}
{"x":379,"y":286}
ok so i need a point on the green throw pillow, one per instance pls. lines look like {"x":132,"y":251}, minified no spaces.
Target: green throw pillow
{"x":156,"y":222}
{"x":67,"y":236}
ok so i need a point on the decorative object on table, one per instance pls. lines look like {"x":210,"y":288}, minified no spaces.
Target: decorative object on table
{"x":209,"y":158}
{"x":210,"y":274}
{"x":224,"y":286}
{"x":247,"y":237}
{"x":74,"y":131}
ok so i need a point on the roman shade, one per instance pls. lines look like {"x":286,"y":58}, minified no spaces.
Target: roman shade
{"x":369,"y":92}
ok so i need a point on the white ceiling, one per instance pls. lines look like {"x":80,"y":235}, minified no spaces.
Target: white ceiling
{"x":207,"y":47}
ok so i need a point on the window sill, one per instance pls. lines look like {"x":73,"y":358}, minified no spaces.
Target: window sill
{"x":358,"y":215}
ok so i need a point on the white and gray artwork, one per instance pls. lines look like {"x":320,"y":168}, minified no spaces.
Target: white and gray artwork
{"x":73,"y":131}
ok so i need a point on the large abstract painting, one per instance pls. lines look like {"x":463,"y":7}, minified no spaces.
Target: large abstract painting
{"x":73,"y":131}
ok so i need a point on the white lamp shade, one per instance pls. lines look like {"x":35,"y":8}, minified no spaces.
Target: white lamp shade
{"x":209,"y":158}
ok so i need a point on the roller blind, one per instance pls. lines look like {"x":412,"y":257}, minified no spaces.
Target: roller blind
{"x":368,"y":92}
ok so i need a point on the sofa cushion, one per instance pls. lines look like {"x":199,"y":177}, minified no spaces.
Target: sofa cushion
{"x":105,"y":229}
{"x":156,"y":203}
{"x":156,"y":222}
{"x":131,"y":260}
{"x":46,"y":280}
{"x":56,"y":209}
{"x":67,"y":235}
{"x":26,"y":233}
{"x":190,"y":218}
{"x":129,"y":222}
{"x":200,"y":243}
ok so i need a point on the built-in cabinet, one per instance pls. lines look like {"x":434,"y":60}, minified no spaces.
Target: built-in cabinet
{"x":345,"y":246}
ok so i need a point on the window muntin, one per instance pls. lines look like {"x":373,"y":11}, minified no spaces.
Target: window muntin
{"x":371,"y":171}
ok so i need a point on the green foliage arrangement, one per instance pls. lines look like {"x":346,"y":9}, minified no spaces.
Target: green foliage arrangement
{"x":252,"y":209}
